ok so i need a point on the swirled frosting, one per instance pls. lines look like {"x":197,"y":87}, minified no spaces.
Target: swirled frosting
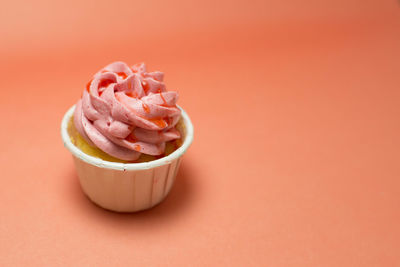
{"x":126,"y":111}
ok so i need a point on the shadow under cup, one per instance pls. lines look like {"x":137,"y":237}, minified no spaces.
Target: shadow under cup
{"x":126,"y":187}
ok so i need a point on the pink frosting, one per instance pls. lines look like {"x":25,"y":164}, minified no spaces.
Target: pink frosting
{"x":126,"y":111}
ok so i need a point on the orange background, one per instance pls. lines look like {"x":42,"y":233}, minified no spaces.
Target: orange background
{"x":296,"y":111}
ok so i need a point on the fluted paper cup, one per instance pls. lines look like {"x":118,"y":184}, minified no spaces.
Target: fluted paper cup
{"x":126,"y":187}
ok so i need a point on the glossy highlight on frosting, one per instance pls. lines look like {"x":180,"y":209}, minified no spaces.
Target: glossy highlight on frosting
{"x":126,"y":111}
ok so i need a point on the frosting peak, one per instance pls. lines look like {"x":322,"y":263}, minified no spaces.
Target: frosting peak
{"x":126,"y":111}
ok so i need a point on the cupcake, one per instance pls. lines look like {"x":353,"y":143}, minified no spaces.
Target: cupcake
{"x":127,"y":137}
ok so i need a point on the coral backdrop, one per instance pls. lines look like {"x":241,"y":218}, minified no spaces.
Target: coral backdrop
{"x":296,"y":157}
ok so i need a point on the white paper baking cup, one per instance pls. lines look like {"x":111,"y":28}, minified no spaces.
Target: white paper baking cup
{"x":126,"y":187}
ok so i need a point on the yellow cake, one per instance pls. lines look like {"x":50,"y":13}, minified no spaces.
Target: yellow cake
{"x":81,"y":143}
